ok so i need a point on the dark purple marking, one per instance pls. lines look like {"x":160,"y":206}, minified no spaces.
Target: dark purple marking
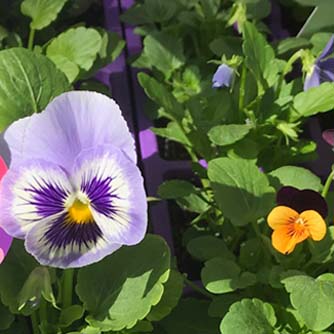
{"x":100,"y":194}
{"x":302,"y":200}
{"x":48,"y":198}
{"x":64,"y":232}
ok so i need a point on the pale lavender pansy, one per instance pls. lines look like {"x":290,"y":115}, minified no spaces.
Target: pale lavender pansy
{"x":323,"y":68}
{"x":73,"y":190}
{"x":5,"y":239}
{"x":223,"y":76}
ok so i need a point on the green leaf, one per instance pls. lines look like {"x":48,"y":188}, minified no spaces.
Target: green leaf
{"x":42,"y":12}
{"x":28,"y":82}
{"x":297,"y":177}
{"x":207,"y":247}
{"x":223,"y":135}
{"x":210,"y":7}
{"x":14,"y":271}
{"x":259,"y":55}
{"x":221,"y":276}
{"x":160,"y":10}
{"x":227,"y":46}
{"x":292,"y":44}
{"x":164,"y":52}
{"x":175,"y":189}
{"x":38,"y":284}
{"x":249,"y":316}
{"x":172,"y":132}
{"x":221,"y":304}
{"x":160,"y":95}
{"x":6,"y":317}
{"x":70,"y":314}
{"x":130,"y":282}
{"x":190,"y":317}
{"x":75,"y":49}
{"x":251,"y":252}
{"x":172,"y":293}
{"x":313,"y":299}
{"x":241,"y":190}
{"x":314,"y":100}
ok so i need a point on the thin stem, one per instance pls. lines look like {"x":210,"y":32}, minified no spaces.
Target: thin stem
{"x":31,"y":39}
{"x":328,"y":183}
{"x":34,"y":323}
{"x":67,"y":287}
{"x":242,"y":87}
{"x":197,"y":288}
{"x":43,"y":315}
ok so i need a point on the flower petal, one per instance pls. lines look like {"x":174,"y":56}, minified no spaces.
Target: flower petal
{"x":31,"y":193}
{"x":315,"y":224}
{"x":72,"y":122}
{"x":302,"y":200}
{"x":115,"y":188}
{"x":281,"y":216}
{"x":5,"y":239}
{"x":60,"y":243}
{"x":222,"y":77}
{"x":328,"y":50}
{"x":284,"y":241}
{"x":312,"y":79}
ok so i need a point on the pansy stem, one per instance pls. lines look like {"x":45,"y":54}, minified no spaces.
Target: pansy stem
{"x":197,"y":288}
{"x":242,"y":87}
{"x":31,"y":39}
{"x":34,"y":323}
{"x":328,"y":183}
{"x":68,"y":287}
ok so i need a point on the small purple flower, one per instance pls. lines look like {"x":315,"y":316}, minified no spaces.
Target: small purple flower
{"x":323,"y":68}
{"x":222,"y":77}
{"x":73,"y":190}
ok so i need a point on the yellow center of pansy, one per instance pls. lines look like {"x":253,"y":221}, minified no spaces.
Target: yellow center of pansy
{"x":80,"y":213}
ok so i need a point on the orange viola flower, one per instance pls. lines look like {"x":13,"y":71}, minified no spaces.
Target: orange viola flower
{"x":299,"y":215}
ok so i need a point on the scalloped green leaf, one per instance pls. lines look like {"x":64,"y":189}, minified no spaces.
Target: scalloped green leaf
{"x":42,"y":12}
{"x":28,"y":82}
{"x":122,"y":288}
{"x":75,"y":49}
{"x":241,"y":190}
{"x":249,"y":316}
{"x":297,"y":177}
{"x":313,"y":299}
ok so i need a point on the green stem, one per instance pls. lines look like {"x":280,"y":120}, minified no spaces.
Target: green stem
{"x":43,"y":315}
{"x":31,"y":39}
{"x":34,"y":323}
{"x":197,"y":288}
{"x":328,"y":183}
{"x":68,"y":287}
{"x":287,"y":69}
{"x":242,"y":87}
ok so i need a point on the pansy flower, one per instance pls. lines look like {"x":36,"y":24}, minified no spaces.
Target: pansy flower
{"x":73,"y":191}
{"x":5,"y":239}
{"x":323,"y":68}
{"x":299,"y":215}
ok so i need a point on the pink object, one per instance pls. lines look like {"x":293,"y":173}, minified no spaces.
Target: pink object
{"x":5,"y":239}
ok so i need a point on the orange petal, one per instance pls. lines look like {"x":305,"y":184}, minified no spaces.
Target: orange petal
{"x":285,"y":241}
{"x":281,"y":216}
{"x":314,"y":223}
